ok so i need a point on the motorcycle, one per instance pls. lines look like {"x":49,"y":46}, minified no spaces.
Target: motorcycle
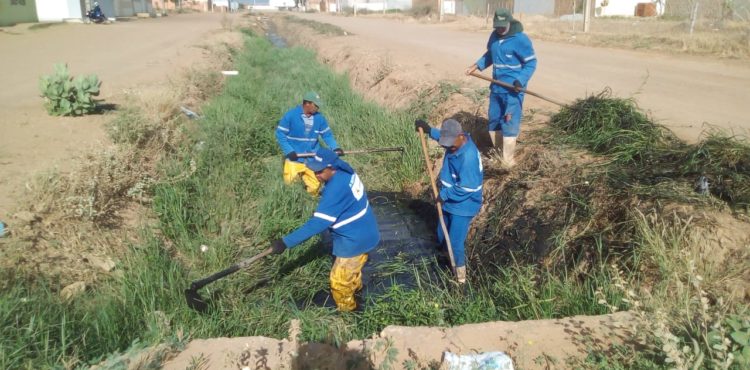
{"x":96,"y":15}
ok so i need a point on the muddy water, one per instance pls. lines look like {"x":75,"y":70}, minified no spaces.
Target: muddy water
{"x":274,"y":37}
{"x":407,"y":249}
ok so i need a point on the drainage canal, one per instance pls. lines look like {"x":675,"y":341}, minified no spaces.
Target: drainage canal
{"x":408,"y":245}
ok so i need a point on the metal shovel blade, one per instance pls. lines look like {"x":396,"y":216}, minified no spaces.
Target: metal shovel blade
{"x":195,"y":301}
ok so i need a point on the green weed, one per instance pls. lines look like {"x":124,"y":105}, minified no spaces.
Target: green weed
{"x":68,"y":96}
{"x":644,"y":157}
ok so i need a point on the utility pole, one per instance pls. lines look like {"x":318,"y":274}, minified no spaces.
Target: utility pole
{"x":694,"y":16}
{"x":586,"y":16}
{"x":487,"y":15}
{"x":440,"y":10}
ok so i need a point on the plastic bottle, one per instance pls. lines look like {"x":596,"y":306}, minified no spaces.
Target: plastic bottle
{"x":479,"y":361}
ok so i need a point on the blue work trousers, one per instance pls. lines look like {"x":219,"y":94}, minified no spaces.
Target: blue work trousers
{"x":458,"y":228}
{"x":505,"y":113}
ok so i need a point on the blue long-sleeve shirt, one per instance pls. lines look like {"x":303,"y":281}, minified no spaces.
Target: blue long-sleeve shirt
{"x":299,"y":133}
{"x":345,"y":210}
{"x":461,"y":178}
{"x":512,"y":57}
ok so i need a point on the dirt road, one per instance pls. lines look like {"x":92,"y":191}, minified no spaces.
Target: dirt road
{"x":681,"y":92}
{"x":127,"y":56}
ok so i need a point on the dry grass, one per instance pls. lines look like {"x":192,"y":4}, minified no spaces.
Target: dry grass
{"x":720,"y":39}
{"x":687,"y":303}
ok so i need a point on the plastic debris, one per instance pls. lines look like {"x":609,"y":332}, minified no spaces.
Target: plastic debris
{"x":701,"y":185}
{"x":478,"y":361}
{"x":230,"y":73}
{"x":2,"y":229}
{"x":189,"y":113}
{"x":204,"y":248}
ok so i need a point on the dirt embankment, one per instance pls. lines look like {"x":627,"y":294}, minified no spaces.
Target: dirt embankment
{"x":535,"y":344}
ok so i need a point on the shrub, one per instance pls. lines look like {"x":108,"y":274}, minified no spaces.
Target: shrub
{"x":131,"y":126}
{"x":68,"y":96}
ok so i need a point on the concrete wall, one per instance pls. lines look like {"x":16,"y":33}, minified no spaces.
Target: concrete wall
{"x":202,"y":5}
{"x":17,"y":11}
{"x":537,"y":7}
{"x":142,"y":6}
{"x":123,"y":8}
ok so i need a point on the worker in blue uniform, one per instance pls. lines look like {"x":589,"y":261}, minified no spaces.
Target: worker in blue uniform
{"x":461,"y":179}
{"x":344,"y":210}
{"x":299,"y":132}
{"x":513,"y":61}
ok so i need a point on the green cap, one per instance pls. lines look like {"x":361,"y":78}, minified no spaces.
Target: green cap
{"x":312,"y":96}
{"x":502,"y":18}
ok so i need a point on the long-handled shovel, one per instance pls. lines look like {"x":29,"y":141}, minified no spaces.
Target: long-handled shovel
{"x":194,"y":299}
{"x":511,"y":87}
{"x":435,"y":193}
{"x":359,"y":151}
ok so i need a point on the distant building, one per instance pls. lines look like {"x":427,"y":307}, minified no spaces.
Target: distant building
{"x":556,"y":8}
{"x":25,"y":11}
{"x":625,"y":8}
{"x":17,"y":11}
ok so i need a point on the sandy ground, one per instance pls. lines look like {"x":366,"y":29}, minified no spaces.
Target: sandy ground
{"x":127,"y":56}
{"x":681,"y":92}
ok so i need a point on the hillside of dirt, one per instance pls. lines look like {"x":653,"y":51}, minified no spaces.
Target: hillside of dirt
{"x":393,"y":74}
{"x":393,"y":77}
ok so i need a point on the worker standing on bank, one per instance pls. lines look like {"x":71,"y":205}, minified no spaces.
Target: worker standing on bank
{"x":298,"y":132}
{"x":513,"y":61}
{"x":344,"y":210}
{"x":460,"y":185}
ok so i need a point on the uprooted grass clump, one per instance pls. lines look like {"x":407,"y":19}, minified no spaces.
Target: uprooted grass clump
{"x":611,"y":126}
{"x":643,"y":153}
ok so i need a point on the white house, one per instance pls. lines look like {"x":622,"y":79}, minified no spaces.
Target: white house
{"x":57,"y":10}
{"x":623,"y":8}
{"x":60,"y":10}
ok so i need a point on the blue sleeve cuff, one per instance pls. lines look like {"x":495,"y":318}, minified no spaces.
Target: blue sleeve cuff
{"x":435,"y":133}
{"x":312,"y":227}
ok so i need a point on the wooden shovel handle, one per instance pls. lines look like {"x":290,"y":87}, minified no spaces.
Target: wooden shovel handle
{"x":511,"y":87}
{"x":435,"y":194}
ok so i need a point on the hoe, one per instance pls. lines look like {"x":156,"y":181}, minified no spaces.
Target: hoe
{"x":194,"y":299}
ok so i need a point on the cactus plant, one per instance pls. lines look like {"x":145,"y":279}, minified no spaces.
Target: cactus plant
{"x":68,"y":96}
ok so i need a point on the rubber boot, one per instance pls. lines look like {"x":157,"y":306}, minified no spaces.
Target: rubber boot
{"x":495,"y":137}
{"x":509,"y":148}
{"x":461,"y":274}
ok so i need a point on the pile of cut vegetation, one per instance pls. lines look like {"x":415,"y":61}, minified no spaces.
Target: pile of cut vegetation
{"x":644,"y":153}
